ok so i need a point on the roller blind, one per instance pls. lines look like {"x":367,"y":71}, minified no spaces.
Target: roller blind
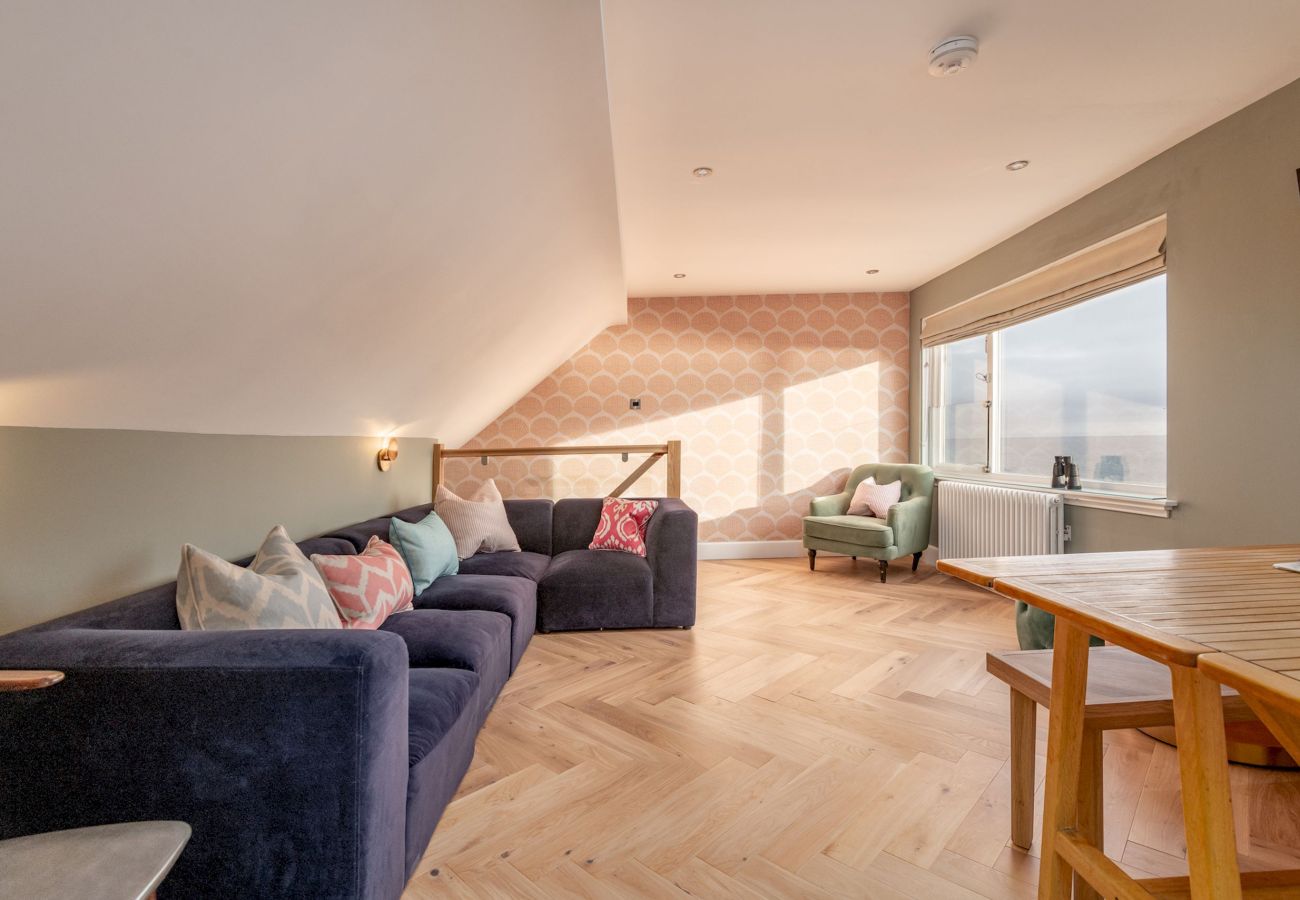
{"x":1127,"y":257}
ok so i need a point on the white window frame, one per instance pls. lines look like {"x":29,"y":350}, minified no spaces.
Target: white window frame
{"x":1145,"y":499}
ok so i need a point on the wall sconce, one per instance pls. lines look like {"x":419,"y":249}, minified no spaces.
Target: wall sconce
{"x":387,"y":454}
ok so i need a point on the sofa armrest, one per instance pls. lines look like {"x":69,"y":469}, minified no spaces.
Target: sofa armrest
{"x":834,"y":505}
{"x":910,"y":521}
{"x":672,"y":544}
{"x":285,"y":751}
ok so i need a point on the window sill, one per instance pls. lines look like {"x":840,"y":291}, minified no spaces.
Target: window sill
{"x":1159,"y":507}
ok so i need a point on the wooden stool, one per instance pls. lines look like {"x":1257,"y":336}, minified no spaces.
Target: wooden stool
{"x":1124,"y":691}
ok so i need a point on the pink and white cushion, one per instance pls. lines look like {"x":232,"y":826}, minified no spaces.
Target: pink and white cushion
{"x":622,"y":525}
{"x":871,"y":499}
{"x":369,"y":586}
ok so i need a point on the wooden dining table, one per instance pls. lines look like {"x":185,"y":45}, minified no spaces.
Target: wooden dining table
{"x":1213,"y":616}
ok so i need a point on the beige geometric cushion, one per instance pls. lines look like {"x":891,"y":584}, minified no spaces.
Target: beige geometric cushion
{"x":477,"y":524}
{"x":280,"y":589}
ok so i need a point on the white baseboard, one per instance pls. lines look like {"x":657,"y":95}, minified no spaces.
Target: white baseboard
{"x":750,"y":549}
{"x":770,"y":550}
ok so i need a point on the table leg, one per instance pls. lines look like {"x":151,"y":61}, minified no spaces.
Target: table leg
{"x":1064,"y":754}
{"x":1024,"y":724}
{"x":1091,"y":825}
{"x":1207,"y":803}
{"x":1284,"y":727}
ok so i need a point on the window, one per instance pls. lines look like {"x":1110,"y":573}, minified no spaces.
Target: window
{"x":1087,"y":381}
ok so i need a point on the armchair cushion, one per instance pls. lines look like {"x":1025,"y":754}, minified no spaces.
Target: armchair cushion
{"x":862,"y":531}
{"x":871,"y":499}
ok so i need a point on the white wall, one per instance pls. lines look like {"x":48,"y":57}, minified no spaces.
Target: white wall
{"x":299,"y":217}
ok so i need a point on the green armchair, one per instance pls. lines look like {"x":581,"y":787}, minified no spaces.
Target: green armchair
{"x":905,"y":530}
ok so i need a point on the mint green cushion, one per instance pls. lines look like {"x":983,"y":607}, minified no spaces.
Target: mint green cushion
{"x":427,"y":547}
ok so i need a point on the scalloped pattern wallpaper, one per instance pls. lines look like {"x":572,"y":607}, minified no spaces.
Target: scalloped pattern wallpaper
{"x":775,"y":399}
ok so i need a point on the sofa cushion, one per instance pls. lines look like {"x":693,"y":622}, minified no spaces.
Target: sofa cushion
{"x":513,"y":597}
{"x":280,"y":589}
{"x":507,"y":562}
{"x":330,"y":546}
{"x":427,"y":547}
{"x":477,"y":523}
{"x":574,"y":523}
{"x":366,"y":587}
{"x":153,"y":610}
{"x":438,"y":697}
{"x":585,"y":589}
{"x":861,"y":531}
{"x":312,"y":545}
{"x":530,"y":520}
{"x":359,"y":535}
{"x":622,"y":525}
{"x":441,"y":727}
{"x":472,"y":639}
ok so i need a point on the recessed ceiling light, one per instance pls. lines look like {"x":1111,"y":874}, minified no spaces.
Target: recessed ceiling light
{"x":873,"y":271}
{"x":702,"y":172}
{"x":1017,"y":165}
{"x":680,"y":275}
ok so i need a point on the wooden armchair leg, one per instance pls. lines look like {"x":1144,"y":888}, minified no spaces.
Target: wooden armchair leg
{"x":812,"y":560}
{"x":916,"y":561}
{"x":884,"y":570}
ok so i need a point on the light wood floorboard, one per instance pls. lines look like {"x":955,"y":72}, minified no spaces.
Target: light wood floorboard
{"x":815,"y":735}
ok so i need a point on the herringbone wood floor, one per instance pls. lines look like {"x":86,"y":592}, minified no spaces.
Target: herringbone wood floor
{"x":816,"y":735}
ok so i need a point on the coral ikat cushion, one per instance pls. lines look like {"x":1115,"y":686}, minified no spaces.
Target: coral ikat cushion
{"x":871,"y":499}
{"x":367,"y":587}
{"x":622,"y":525}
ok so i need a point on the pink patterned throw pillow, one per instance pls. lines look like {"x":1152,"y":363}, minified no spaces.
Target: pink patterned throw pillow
{"x":367,"y":587}
{"x":871,"y":499}
{"x":622,"y":525}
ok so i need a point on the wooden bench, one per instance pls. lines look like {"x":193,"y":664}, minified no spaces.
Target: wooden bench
{"x":1124,"y":691}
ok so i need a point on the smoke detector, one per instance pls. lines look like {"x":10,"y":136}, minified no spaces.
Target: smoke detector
{"x":953,"y":55}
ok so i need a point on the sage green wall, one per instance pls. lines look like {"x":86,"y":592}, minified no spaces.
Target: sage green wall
{"x":90,"y":515}
{"x":1233,"y":318}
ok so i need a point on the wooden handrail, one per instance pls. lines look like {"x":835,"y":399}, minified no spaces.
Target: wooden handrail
{"x":588,"y":450}
{"x":670,"y":451}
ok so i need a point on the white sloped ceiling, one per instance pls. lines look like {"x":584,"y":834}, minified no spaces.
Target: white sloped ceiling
{"x":300,"y":217}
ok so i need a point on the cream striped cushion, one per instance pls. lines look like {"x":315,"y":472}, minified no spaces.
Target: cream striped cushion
{"x":871,"y":499}
{"x":477,"y":524}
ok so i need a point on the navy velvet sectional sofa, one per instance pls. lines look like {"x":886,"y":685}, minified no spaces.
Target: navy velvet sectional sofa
{"x":310,"y":764}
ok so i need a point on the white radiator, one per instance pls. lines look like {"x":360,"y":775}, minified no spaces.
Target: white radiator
{"x":986,"y":520}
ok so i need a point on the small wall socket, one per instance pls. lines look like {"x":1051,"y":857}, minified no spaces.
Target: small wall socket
{"x":634,"y":403}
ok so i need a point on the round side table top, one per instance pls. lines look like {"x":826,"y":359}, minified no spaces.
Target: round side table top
{"x":125,"y":861}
